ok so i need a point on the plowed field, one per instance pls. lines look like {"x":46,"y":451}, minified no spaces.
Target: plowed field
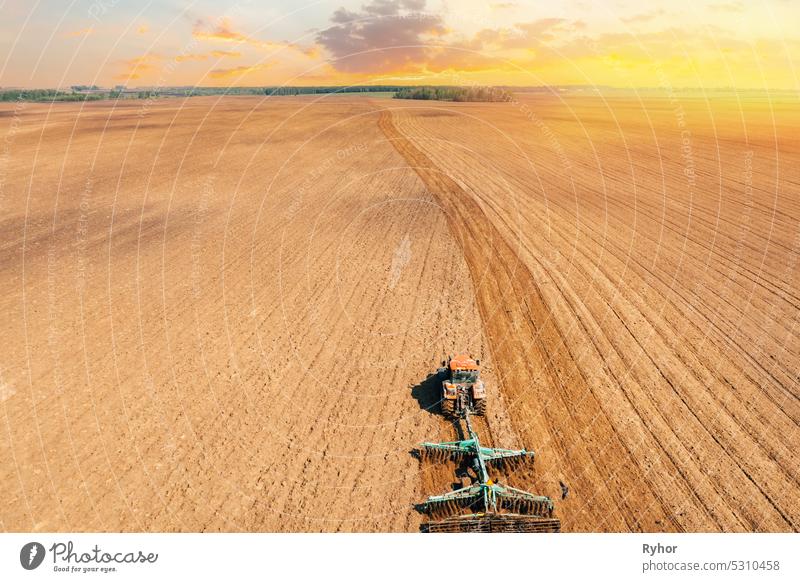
{"x":221,"y":314}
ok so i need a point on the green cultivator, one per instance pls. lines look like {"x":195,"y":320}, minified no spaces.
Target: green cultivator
{"x":486,"y":505}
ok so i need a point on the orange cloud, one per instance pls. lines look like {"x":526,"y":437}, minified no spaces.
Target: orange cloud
{"x":81,"y":32}
{"x":222,"y":54}
{"x":239,"y":71}
{"x":204,"y":57}
{"x":192,"y":57}
{"x":137,"y":66}
{"x":224,"y":32}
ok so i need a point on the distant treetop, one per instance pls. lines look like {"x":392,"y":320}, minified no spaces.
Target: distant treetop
{"x":492,"y":94}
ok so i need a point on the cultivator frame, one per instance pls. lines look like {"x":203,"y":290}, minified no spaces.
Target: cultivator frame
{"x":495,"y":507}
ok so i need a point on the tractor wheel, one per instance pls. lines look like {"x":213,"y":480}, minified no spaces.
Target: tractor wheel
{"x":480,"y":407}
{"x":448,"y":408}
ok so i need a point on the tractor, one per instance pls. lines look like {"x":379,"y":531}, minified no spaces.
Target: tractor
{"x":485,"y":505}
{"x":462,"y":389}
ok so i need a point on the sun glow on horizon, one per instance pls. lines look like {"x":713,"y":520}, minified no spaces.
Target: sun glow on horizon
{"x":719,"y":43}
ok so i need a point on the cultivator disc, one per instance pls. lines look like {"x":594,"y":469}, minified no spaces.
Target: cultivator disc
{"x":511,"y":462}
{"x":487,"y":497}
{"x":455,"y":503}
{"x":459,"y":450}
{"x":516,"y":501}
{"x":489,"y":506}
{"x":440,"y":453}
{"x":494,"y":523}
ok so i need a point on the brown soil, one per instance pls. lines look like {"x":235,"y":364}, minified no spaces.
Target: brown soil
{"x":221,"y":313}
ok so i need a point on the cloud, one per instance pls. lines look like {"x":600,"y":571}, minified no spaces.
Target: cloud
{"x":136,"y":67}
{"x":543,"y":29}
{"x":393,"y":37}
{"x":240,"y":71}
{"x":643,"y":17}
{"x":223,"y":54}
{"x":727,"y":7}
{"x":530,"y":36}
{"x":312,"y":52}
{"x":385,"y":36}
{"x":223,"y":32}
{"x":205,"y":57}
{"x":504,"y":5}
{"x":190,"y":57}
{"x":77,"y":33}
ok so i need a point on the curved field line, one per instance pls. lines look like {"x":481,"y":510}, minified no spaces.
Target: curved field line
{"x":533,"y":360}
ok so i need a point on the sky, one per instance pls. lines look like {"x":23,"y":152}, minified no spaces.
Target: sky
{"x":741,"y":44}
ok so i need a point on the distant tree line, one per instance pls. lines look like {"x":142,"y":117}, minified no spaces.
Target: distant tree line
{"x":321,"y":90}
{"x":93,"y":93}
{"x":326,"y":90}
{"x":491,"y":94}
{"x":48,"y":95}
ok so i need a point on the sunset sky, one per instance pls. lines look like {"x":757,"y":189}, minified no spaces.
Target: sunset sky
{"x":677,"y":43}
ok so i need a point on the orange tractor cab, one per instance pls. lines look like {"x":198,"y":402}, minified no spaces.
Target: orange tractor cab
{"x":462,"y":389}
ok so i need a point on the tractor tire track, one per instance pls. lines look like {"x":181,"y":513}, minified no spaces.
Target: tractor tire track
{"x":741,"y":478}
{"x":532,"y":359}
